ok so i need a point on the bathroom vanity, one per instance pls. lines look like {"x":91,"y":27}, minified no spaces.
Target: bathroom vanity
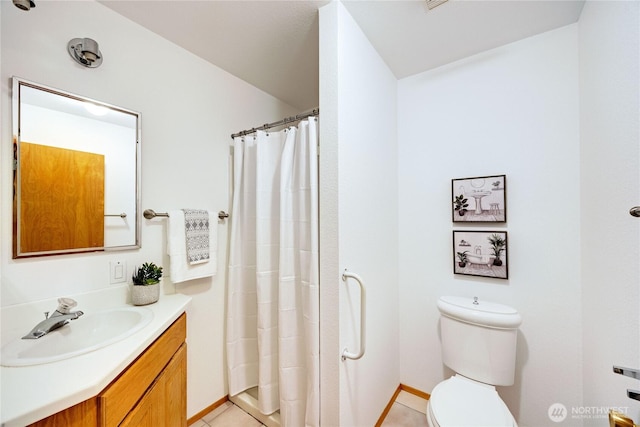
{"x":157,"y":379}
{"x":139,"y":381}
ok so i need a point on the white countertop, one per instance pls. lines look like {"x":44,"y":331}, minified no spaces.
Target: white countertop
{"x":30,"y":393}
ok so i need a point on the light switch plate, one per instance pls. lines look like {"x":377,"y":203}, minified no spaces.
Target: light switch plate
{"x":118,"y":271}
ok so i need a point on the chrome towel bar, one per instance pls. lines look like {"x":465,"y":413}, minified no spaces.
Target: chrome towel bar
{"x":150,"y":214}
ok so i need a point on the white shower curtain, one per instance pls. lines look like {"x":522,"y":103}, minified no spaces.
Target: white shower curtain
{"x":273,"y":295}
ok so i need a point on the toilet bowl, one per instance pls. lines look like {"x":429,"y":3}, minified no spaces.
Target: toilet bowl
{"x":479,"y":345}
{"x":462,"y":402}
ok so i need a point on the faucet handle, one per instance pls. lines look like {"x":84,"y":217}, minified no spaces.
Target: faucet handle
{"x":64,"y":304}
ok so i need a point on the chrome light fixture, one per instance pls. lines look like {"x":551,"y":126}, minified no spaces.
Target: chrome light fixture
{"x":24,"y":4}
{"x":85,"y":52}
{"x":434,"y":3}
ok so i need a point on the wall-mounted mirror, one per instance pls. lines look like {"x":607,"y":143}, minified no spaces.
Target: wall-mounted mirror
{"x":76,"y":173}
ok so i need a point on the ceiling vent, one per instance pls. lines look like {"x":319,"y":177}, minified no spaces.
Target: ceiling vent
{"x":434,"y":3}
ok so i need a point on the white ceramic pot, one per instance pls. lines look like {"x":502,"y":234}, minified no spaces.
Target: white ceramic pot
{"x":143,"y":295}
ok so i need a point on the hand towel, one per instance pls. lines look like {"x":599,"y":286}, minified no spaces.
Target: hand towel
{"x":196,"y":224}
{"x":179,"y":269}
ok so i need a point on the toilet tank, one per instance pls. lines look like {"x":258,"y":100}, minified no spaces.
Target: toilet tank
{"x":479,"y":339}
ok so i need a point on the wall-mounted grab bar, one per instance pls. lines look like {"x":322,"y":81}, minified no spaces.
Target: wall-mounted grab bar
{"x":150,"y":214}
{"x":633,"y":373}
{"x":628,"y":372}
{"x":346,"y":354}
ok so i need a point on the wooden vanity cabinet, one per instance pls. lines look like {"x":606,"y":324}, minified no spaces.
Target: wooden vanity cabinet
{"x":152,"y":391}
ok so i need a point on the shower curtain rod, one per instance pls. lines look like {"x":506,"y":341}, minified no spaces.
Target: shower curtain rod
{"x":286,"y":120}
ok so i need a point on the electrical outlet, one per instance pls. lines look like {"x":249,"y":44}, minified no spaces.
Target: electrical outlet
{"x":118,"y":271}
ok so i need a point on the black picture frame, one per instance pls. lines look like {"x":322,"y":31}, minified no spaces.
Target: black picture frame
{"x":479,"y":199}
{"x":474,"y":253}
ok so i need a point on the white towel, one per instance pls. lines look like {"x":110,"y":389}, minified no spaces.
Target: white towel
{"x":180,"y":270}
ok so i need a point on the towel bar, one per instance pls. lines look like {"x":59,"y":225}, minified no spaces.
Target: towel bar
{"x":122,"y":215}
{"x":150,"y":214}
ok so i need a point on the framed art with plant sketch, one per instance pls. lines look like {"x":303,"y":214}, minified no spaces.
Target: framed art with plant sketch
{"x":480,"y":199}
{"x":480,"y":253}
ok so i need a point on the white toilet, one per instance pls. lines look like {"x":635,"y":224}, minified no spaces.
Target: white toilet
{"x":479,"y":344}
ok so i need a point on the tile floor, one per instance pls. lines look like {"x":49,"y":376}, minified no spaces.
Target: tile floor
{"x":407,"y":411}
{"x":227,"y":415}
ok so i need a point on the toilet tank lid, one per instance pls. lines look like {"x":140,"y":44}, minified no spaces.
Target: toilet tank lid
{"x":483,"y":313}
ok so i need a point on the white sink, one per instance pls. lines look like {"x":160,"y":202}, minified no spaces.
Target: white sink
{"x":87,"y":333}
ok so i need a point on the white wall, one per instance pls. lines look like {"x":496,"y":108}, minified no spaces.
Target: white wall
{"x":330,"y":346}
{"x":363,"y":91}
{"x":189,"y":108}
{"x":512,"y":110}
{"x":610,"y":178}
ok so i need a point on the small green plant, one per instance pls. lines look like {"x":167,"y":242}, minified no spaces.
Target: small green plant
{"x":462,"y":257}
{"x":461,"y":204}
{"x":498,"y":245}
{"x":148,"y":274}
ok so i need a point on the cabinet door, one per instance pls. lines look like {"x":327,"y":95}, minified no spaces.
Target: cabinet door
{"x":148,"y":412}
{"x":165,"y":403}
{"x":175,"y":390}
{"x":81,"y":415}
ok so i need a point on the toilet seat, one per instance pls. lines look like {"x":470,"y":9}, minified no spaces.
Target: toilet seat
{"x":462,"y":402}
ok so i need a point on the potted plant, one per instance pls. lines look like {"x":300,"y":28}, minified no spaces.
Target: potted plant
{"x":461,"y":205}
{"x":462,"y":259}
{"x":146,"y":284}
{"x":498,"y":244}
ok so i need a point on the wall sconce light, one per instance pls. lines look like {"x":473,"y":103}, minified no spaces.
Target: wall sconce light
{"x":25,"y":5}
{"x":85,"y":51}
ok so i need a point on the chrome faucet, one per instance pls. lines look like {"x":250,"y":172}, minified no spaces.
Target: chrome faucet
{"x":59,"y":318}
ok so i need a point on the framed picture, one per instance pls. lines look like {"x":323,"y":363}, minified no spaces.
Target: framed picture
{"x":481,"y":253}
{"x":480,"y":199}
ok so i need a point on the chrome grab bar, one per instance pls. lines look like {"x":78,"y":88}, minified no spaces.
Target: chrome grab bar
{"x":628,"y":372}
{"x":346,"y":354}
{"x":633,"y":373}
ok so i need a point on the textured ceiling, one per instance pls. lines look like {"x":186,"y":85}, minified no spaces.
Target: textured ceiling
{"x":274,"y":44}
